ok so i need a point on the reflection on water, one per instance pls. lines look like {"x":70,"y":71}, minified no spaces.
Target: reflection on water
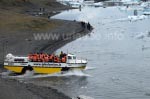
{"x":68,"y":84}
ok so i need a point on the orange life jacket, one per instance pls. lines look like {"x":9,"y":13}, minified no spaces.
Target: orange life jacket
{"x":51,"y":57}
{"x":34,"y":58}
{"x":30,"y":57}
{"x":63,"y":60}
{"x":46,"y":59}
{"x":56,"y":59}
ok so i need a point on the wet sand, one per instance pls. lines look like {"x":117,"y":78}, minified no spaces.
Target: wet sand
{"x":23,"y":42}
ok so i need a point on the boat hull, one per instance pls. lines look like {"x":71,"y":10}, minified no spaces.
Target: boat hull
{"x":41,"y":70}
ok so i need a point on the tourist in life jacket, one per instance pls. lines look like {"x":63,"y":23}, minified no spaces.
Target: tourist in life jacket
{"x":64,"y":59}
{"x":35,"y":58}
{"x":51,"y":58}
{"x":40,"y":55}
{"x":39,"y":59}
{"x":46,"y":58}
{"x":56,"y":59}
{"x":30,"y":56}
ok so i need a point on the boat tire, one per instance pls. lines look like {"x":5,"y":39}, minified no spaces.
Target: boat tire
{"x":26,"y":68}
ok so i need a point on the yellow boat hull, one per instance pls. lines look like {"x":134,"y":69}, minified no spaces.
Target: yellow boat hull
{"x":41,"y":70}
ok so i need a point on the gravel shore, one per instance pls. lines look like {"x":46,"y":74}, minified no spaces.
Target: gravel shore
{"x":12,"y":89}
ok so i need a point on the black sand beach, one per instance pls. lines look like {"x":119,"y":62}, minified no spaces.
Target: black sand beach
{"x":17,"y":32}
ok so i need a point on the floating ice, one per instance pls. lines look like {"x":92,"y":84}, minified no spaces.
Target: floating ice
{"x":143,"y":35}
{"x":135,"y":18}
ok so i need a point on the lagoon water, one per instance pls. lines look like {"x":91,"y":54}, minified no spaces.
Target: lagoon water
{"x":118,"y":53}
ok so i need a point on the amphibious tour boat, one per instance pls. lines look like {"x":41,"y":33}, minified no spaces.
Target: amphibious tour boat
{"x":43,"y":63}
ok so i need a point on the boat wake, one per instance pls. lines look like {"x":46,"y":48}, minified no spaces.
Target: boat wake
{"x":76,"y":73}
{"x":3,"y":74}
{"x":90,"y":68}
{"x":9,"y":74}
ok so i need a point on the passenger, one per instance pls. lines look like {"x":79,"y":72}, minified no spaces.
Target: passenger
{"x":46,"y":59}
{"x":51,"y":58}
{"x":40,"y":56}
{"x":39,"y":60}
{"x":30,"y":56}
{"x":46,"y":55}
{"x":56,"y":59}
{"x":34,"y":58}
{"x":64,"y":59}
{"x":43,"y":59}
{"x":61,"y":54}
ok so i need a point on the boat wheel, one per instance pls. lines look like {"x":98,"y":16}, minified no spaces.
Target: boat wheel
{"x":65,"y":69}
{"x":26,"y":68}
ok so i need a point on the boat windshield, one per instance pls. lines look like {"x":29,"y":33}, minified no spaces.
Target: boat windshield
{"x":69,"y":57}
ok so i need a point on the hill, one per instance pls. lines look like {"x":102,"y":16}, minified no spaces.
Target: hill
{"x":15,"y":15}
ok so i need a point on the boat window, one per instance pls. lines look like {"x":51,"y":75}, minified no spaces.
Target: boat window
{"x":20,"y":60}
{"x":74,"y":57}
{"x":69,"y":57}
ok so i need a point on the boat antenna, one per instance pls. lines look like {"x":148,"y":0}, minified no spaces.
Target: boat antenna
{"x":67,"y":51}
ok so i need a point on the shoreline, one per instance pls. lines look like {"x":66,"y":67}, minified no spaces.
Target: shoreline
{"x":23,"y":42}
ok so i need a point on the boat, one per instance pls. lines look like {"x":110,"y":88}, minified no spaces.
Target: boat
{"x":43,"y":64}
